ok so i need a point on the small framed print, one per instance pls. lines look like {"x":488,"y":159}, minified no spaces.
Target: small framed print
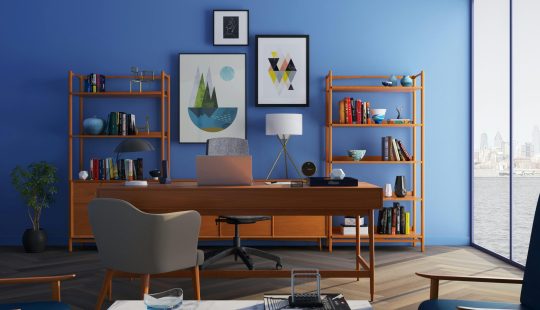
{"x":282,"y":70}
{"x":231,"y":27}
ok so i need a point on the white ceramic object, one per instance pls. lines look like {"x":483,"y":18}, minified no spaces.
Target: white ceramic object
{"x":388,"y":190}
{"x":83,"y":175}
{"x":337,"y":174}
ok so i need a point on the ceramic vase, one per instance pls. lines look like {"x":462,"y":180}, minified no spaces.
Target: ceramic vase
{"x":93,"y":125}
{"x":399,"y":187}
{"x":388,"y":190}
{"x":406,"y":81}
{"x":394,"y":80}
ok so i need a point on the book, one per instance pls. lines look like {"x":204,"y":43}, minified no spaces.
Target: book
{"x":402,"y":220}
{"x":406,"y":154}
{"x":385,"y":153}
{"x":349,"y":111}
{"x":351,"y":230}
{"x":353,"y":111}
{"x":358,"y":111}
{"x":342,"y":112}
{"x":407,"y":223}
{"x":395,"y":150}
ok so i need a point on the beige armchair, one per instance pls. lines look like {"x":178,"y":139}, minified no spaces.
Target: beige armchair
{"x":142,"y":244}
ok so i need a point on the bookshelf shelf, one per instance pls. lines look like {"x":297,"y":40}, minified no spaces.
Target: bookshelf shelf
{"x":377,"y":125}
{"x":369,"y":160}
{"x":144,"y":94}
{"x":380,"y":89}
{"x":152,"y":134}
{"x":416,"y":166}
{"x":82,"y":191}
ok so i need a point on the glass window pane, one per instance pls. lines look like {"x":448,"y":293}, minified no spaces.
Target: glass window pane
{"x":491,"y":119}
{"x":525,"y":122}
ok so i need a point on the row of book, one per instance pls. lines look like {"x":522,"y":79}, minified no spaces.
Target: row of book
{"x":121,"y":169}
{"x":353,"y":111}
{"x":394,"y":221}
{"x":120,"y":123}
{"x":394,"y":150}
{"x":94,"y":83}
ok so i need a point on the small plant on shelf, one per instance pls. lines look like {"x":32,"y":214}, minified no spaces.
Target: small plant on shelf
{"x":37,"y":186}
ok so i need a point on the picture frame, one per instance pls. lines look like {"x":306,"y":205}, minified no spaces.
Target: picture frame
{"x":282,"y":71}
{"x":231,"y":27}
{"x":212,"y":97}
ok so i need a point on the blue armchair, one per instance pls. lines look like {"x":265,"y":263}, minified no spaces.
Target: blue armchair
{"x":530,"y":290}
{"x":56,"y":304}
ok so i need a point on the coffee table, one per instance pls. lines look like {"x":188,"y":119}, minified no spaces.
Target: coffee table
{"x":221,"y":304}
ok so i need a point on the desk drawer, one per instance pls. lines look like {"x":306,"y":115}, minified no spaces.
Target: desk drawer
{"x":208,"y":226}
{"x":83,"y":193}
{"x":299,"y":226}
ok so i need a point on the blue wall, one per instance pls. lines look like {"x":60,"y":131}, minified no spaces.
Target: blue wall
{"x":41,"y":40}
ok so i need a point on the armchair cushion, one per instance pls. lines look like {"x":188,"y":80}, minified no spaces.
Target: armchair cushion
{"x":41,"y":305}
{"x":450,"y":304}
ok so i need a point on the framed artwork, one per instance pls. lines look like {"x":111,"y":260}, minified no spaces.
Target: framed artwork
{"x":212,"y":96}
{"x":282,"y":74}
{"x":231,"y":27}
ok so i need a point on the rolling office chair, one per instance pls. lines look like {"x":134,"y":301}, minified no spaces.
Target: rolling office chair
{"x":236,"y":147}
{"x":529,"y":290}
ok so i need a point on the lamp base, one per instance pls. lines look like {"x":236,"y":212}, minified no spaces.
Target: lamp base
{"x":283,"y":140}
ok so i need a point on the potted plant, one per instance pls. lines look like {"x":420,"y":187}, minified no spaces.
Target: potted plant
{"x":37,"y":186}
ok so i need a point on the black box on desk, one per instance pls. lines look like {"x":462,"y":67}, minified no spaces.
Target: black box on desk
{"x":322,"y":181}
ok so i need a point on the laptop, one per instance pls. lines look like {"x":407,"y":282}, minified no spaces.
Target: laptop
{"x":223,"y":170}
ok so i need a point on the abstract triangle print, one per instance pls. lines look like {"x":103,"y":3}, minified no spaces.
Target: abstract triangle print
{"x":281,"y":71}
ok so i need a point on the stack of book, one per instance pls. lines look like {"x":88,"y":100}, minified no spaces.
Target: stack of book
{"x":349,"y":226}
{"x":394,"y":221}
{"x":353,"y":111}
{"x":122,"y":124}
{"x":394,"y":150}
{"x":94,"y":83}
{"x":122,"y":169}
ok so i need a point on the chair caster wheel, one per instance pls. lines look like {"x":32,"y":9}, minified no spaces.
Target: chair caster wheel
{"x":279,"y":266}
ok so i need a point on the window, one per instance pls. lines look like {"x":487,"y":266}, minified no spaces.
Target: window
{"x":506,"y":130}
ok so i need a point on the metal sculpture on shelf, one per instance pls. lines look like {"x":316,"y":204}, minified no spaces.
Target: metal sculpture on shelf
{"x":140,"y":77}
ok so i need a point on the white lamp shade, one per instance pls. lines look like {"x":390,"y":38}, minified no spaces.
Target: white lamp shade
{"x":284,"y":124}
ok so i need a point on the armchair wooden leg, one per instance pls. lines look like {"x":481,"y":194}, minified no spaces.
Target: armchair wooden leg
{"x":145,"y":287}
{"x":56,"y":290}
{"x":109,"y":291}
{"x":104,"y":288}
{"x":434,"y":289}
{"x":196,"y":283}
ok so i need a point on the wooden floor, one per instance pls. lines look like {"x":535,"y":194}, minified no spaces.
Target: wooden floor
{"x":396,"y":285}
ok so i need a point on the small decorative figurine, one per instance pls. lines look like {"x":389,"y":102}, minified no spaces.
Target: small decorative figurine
{"x":398,"y":112}
{"x":139,"y":77}
{"x":387,"y":83}
{"x":83,"y":175}
{"x":337,"y":174}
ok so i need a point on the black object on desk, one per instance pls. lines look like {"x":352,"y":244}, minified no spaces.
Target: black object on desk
{"x":322,"y":181}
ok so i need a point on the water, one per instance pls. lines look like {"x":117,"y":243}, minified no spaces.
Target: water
{"x":491,"y":214}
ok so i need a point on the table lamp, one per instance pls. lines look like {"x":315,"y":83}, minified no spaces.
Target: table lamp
{"x":283,"y":125}
{"x":133,"y":145}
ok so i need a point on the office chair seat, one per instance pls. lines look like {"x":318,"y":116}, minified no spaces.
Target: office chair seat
{"x":450,"y":304}
{"x":243,"y":219}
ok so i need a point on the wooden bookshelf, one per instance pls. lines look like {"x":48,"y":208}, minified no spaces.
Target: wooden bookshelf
{"x":81,"y":192}
{"x":417,"y":127}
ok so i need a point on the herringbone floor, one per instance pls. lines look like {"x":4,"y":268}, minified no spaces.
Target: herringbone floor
{"x":396,"y":285}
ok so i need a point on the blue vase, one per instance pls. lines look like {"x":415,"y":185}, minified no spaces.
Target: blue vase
{"x":406,"y":81}
{"x":394,"y":80}
{"x":93,"y":125}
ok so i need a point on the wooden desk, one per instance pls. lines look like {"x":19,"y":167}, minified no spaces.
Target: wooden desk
{"x":265,"y":200}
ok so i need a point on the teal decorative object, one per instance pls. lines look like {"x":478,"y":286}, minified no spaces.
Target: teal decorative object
{"x":394,"y":80}
{"x":406,"y":81}
{"x":357,"y":154}
{"x":93,"y":125}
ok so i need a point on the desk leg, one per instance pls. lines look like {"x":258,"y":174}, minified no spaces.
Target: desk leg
{"x":357,"y":245}
{"x":371,"y":233}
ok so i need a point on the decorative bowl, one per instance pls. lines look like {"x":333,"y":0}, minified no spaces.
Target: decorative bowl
{"x":357,"y":154}
{"x":155,"y":173}
{"x":378,"y":115}
{"x":171,"y":299}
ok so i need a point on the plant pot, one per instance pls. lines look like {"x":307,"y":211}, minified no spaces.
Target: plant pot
{"x":34,"y":241}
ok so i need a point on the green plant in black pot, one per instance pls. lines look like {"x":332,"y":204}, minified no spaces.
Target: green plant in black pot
{"x":37,"y":186}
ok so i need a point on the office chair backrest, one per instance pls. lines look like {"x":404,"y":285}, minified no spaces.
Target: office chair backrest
{"x":227,"y":147}
{"x":134,"y":241}
{"x":530,"y":291}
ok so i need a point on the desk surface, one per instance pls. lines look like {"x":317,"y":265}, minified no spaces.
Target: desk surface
{"x":260,"y":198}
{"x":222,"y":304}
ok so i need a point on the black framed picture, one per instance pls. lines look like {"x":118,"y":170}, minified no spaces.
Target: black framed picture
{"x":282,"y":70}
{"x":212,"y":99}
{"x":231,"y":27}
